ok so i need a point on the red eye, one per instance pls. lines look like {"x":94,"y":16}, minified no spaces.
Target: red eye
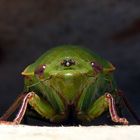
{"x":40,"y":70}
{"x":97,"y":67}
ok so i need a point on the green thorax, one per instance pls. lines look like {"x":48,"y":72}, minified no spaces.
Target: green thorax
{"x":70,"y":85}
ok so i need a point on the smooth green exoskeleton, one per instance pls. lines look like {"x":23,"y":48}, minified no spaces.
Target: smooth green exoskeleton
{"x":69,"y":81}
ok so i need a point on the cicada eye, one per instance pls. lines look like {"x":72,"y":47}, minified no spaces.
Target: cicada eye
{"x":40,"y":70}
{"x":96,"y":66}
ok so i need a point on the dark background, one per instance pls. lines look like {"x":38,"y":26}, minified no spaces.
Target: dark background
{"x":109,"y":27}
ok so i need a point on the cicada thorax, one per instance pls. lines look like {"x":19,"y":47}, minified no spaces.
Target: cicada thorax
{"x":69,"y":86}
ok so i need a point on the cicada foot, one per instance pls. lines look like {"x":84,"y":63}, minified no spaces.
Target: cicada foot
{"x":113,"y":112}
{"x":7,"y":123}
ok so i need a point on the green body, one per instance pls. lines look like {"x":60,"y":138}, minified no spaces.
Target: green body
{"x":63,"y":90}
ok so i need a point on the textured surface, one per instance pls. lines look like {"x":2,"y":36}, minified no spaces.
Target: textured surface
{"x":70,"y":133}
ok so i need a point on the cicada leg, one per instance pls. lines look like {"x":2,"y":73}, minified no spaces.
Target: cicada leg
{"x":13,"y":107}
{"x":112,"y":110}
{"x":21,"y":112}
{"x":101,"y":105}
{"x":39,"y":105}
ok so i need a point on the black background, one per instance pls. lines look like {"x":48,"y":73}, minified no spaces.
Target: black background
{"x":110,"y":28}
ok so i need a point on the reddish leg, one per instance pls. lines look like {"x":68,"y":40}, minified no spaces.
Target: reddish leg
{"x":112,"y":110}
{"x":13,"y":107}
{"x":21,"y":112}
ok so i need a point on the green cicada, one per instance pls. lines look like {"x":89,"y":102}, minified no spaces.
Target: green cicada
{"x":68,"y":80}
